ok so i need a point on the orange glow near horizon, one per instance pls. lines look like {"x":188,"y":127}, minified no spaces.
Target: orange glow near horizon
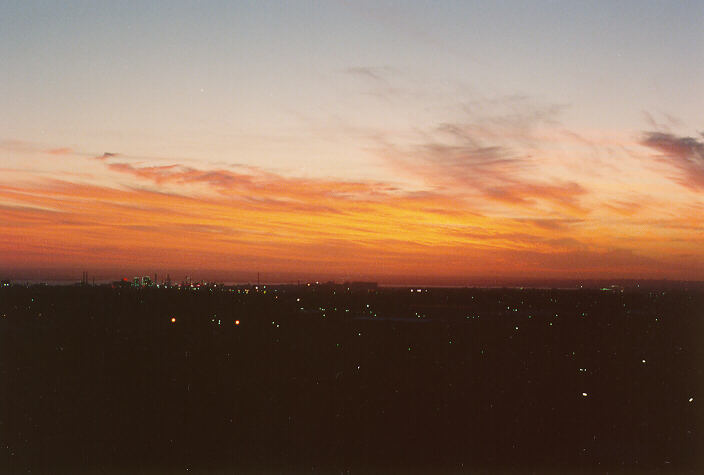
{"x":397,"y":143}
{"x":179,"y":218}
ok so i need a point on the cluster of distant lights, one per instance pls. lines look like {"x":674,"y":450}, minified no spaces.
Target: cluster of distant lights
{"x":237,"y":322}
{"x":173,"y":320}
{"x":410,"y":347}
{"x":257,"y":289}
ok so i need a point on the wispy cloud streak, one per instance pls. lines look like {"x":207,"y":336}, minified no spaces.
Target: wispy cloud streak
{"x":684,"y":153}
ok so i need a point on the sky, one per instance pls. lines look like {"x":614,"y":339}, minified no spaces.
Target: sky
{"x":402,"y":142}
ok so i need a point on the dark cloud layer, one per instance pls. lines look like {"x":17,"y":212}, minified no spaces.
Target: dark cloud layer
{"x":684,"y":153}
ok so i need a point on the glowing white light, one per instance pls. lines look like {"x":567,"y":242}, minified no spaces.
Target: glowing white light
{"x":584,"y":394}
{"x":691,"y":399}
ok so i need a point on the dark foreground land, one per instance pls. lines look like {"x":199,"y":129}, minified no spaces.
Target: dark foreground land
{"x":318,"y":378}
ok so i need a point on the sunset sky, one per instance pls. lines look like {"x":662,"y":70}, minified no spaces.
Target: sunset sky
{"x":401,"y":142}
